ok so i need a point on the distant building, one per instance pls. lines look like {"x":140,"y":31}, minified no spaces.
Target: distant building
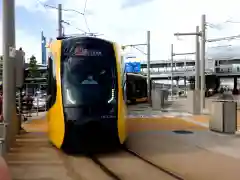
{"x":1,"y":66}
{"x":44,"y":50}
{"x":31,"y":84}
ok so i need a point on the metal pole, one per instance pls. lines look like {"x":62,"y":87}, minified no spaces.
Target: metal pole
{"x":9,"y":101}
{"x":185,"y":85}
{"x":131,"y":45}
{"x":172,"y":70}
{"x":186,"y":34}
{"x":181,"y":54}
{"x":203,"y":41}
{"x":197,"y":63}
{"x":60,"y":29}
{"x":20,"y":107}
{"x":148,"y":66}
{"x":37,"y":105}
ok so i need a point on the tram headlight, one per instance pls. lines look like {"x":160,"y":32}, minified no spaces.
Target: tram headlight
{"x":112,"y":99}
{"x":70,"y":99}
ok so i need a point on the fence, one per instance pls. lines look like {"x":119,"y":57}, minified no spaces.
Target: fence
{"x":28,"y":105}
{"x":180,"y":102}
{"x":25,"y":105}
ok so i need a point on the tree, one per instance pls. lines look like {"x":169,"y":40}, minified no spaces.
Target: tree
{"x":33,"y":68}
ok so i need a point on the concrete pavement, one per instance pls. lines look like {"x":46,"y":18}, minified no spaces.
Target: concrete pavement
{"x":33,"y":157}
{"x":196,"y":155}
{"x":177,"y":141}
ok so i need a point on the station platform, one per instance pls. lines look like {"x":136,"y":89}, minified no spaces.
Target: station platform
{"x":179,"y":142}
{"x":182,"y":143}
{"x":144,"y":111}
{"x":193,"y":155}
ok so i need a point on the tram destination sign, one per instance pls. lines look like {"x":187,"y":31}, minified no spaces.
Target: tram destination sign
{"x":80,"y":51}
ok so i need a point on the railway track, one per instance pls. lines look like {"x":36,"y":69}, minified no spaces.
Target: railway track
{"x":122,"y":165}
{"x":178,"y":177}
{"x":104,"y":168}
{"x":44,"y":161}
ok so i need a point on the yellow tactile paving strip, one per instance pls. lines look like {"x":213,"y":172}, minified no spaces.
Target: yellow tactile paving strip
{"x":133,"y":124}
{"x":141,"y":100}
{"x":201,"y":118}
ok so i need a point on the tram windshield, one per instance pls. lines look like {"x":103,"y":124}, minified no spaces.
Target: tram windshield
{"x":89,"y":75}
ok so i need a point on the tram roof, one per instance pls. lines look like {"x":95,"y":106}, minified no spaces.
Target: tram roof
{"x":74,"y":38}
{"x":136,"y":75}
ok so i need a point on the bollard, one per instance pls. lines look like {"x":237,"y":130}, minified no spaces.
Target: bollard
{"x":223,"y":116}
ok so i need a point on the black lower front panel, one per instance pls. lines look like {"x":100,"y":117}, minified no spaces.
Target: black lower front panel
{"x":95,"y":135}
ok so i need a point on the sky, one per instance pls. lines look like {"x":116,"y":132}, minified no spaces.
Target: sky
{"x":126,"y":22}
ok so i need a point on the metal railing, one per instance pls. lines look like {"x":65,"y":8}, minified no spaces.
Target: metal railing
{"x":221,"y":68}
{"x":39,"y":105}
{"x":29,"y":106}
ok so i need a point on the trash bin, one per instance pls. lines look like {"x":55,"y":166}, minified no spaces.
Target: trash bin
{"x":223,"y":116}
{"x":157,"y":98}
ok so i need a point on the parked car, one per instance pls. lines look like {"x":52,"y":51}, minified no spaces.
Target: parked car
{"x":39,"y":102}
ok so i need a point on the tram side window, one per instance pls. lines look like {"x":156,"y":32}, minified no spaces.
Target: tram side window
{"x":52,"y":86}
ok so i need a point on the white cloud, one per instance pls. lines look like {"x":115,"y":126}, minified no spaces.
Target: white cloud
{"x":31,"y":5}
{"x":30,"y":44}
{"x":129,"y":25}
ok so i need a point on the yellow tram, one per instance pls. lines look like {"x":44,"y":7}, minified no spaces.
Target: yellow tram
{"x":86,"y":108}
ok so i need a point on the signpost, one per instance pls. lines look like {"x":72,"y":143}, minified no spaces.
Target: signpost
{"x":133,"y":67}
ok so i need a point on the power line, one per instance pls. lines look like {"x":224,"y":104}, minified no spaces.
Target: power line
{"x":69,"y":10}
{"x":219,"y":27}
{"x":54,"y":7}
{"x":230,"y":21}
{"x":69,"y":24}
{"x":139,"y":50}
{"x":214,"y":26}
{"x":73,"y":10}
{"x":84,"y":15}
{"x":224,"y":38}
{"x":221,"y":46}
{"x":85,"y":6}
{"x":84,"y":32}
{"x":229,"y":38}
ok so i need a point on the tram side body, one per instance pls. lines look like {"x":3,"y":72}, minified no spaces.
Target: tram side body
{"x":136,"y":88}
